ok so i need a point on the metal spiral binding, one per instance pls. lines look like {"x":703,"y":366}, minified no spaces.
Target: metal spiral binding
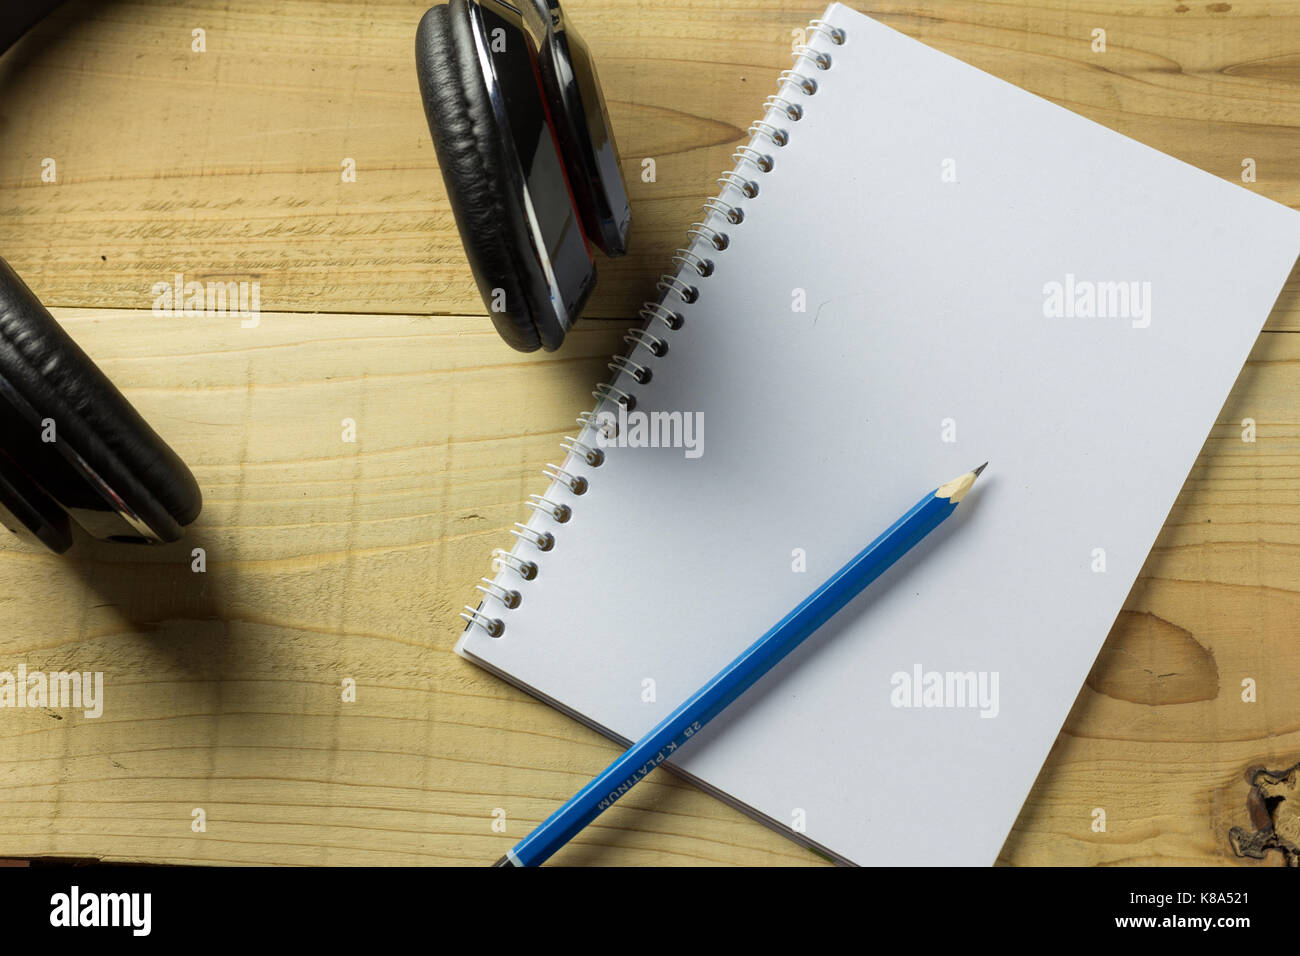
{"x":542,"y":540}
{"x":793,"y":111}
{"x":652,"y":343}
{"x":593,"y":456}
{"x":832,"y":33}
{"x":700,"y":230}
{"x":778,"y":136}
{"x":492,"y":626}
{"x":525,"y":569}
{"x":560,"y":513}
{"x":510,"y":598}
{"x":793,"y":85}
{"x":821,"y":60}
{"x":805,"y":83}
{"x":685,"y":257}
{"x":657,"y":310}
{"x":576,"y":483}
{"x":685,"y":291}
{"x":605,"y":392}
{"x":735,"y":215}
{"x":640,"y":373}
{"x":761,"y":161}
{"x":746,"y":187}
{"x":589,"y":420}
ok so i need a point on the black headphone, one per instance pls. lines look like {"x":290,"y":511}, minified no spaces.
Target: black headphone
{"x":532,"y":172}
{"x":528,"y":158}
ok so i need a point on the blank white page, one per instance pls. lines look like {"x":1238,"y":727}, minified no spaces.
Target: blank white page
{"x":925,"y":320}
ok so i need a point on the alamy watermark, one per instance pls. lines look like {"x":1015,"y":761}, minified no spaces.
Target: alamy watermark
{"x":948,"y":689}
{"x":1086,"y":299}
{"x":133,"y":911}
{"x":195,"y":299}
{"x":640,"y":429}
{"x":73,"y":690}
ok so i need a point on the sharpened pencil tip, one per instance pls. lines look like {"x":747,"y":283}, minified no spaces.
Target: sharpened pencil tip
{"x":956,"y":489}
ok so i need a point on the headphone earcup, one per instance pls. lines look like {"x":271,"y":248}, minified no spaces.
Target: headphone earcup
{"x":474,"y":170}
{"x":43,"y":368}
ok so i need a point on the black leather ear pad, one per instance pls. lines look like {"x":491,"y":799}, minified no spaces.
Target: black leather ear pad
{"x":470,"y":155}
{"x":40,"y":362}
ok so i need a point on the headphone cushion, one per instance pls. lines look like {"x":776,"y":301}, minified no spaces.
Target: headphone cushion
{"x":41,"y":362}
{"x":470,"y":156}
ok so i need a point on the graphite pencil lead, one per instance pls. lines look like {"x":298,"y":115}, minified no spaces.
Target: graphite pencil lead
{"x":977,"y":471}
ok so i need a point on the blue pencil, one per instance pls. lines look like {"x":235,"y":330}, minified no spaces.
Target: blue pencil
{"x":738,"y":676}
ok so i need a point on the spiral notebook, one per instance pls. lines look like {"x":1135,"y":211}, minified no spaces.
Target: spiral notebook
{"x":914,"y":267}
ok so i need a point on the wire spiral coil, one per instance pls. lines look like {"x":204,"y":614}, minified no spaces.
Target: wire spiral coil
{"x":651,"y":341}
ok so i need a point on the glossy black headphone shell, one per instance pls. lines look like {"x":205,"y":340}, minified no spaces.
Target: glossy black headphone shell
{"x":105,"y":466}
{"x":477,"y":170}
{"x":586,"y":136}
{"x":507,"y":170}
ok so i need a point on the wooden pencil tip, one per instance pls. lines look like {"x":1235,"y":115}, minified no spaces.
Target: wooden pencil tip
{"x":956,"y":489}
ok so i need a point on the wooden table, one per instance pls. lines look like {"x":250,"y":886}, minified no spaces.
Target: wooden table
{"x":329,"y":560}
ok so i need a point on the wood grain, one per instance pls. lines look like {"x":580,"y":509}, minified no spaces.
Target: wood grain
{"x":329,"y":560}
